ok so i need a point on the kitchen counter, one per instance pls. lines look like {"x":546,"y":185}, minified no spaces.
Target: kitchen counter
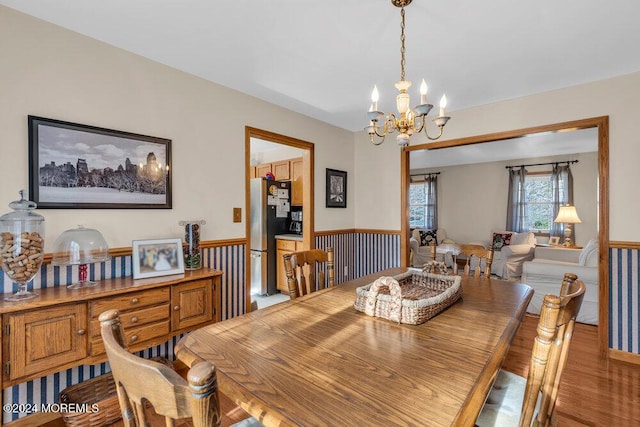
{"x":296,"y":237}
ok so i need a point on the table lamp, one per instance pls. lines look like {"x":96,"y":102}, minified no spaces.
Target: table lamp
{"x":80,"y":246}
{"x":568,"y":216}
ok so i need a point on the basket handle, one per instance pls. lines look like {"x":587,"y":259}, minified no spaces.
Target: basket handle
{"x":396,"y":298}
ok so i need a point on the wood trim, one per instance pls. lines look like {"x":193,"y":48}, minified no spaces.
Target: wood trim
{"x":624,"y":245}
{"x":603,"y":235}
{"x":624,"y":356}
{"x":602,"y":124}
{"x":126,"y":251}
{"x":516,"y":133}
{"x":356,"y":230}
{"x":38,"y":419}
{"x":308,"y":184}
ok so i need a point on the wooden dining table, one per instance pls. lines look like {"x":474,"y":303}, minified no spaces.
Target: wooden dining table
{"x":317,"y":361}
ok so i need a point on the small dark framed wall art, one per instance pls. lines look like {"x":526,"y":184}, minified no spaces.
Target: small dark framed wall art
{"x":79,"y":166}
{"x":336,"y":188}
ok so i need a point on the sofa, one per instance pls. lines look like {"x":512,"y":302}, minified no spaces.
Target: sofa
{"x":420,"y":242}
{"x":546,"y":271}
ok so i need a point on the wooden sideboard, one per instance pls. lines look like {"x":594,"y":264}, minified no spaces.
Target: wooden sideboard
{"x":59,"y":329}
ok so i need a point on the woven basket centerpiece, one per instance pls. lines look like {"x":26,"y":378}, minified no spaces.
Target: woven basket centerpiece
{"x":412,"y":297}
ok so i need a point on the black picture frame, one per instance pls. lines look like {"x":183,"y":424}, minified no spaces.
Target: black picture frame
{"x":336,"y":189}
{"x":75,"y":166}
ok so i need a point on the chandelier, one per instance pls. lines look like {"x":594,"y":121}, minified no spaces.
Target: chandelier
{"x":408,"y":121}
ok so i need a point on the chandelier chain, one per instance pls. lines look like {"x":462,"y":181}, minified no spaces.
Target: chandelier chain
{"x":402,"y":44}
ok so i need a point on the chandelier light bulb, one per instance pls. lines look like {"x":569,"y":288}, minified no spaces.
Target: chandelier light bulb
{"x":423,"y":92}
{"x":443,"y":104}
{"x":374,"y":98}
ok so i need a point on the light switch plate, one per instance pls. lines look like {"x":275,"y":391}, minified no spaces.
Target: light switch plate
{"x":237,"y":214}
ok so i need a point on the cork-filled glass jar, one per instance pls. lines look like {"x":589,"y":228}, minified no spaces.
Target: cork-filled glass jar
{"x":191,"y":244}
{"x":21,"y":245}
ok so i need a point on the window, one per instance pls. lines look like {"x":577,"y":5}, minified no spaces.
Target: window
{"x":423,"y":204}
{"x":539,"y":202}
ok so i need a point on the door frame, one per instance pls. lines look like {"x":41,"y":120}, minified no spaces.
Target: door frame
{"x":308,"y":192}
{"x":602,"y":124}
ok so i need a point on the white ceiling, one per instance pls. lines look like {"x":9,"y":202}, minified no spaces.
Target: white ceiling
{"x":322,"y":58}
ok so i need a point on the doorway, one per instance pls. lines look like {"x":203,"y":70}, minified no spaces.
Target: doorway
{"x":303,"y":150}
{"x":602,"y":126}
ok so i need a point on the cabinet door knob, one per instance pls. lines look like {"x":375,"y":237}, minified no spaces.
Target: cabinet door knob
{"x":176,"y":308}
{"x":134,"y":300}
{"x":82,"y":331}
{"x":134,"y":338}
{"x":134,"y":319}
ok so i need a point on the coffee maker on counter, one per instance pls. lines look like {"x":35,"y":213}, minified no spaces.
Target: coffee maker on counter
{"x":296,"y":222}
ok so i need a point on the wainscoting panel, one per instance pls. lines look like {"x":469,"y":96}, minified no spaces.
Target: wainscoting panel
{"x":361,"y":252}
{"x":231,"y":260}
{"x":624,"y":299}
{"x":343,"y":253}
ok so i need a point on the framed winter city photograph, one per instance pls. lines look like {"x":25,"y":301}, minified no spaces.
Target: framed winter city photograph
{"x":336,"y":189}
{"x":161,"y":257}
{"x":78,"y":166}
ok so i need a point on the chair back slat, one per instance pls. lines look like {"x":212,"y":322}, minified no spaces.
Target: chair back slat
{"x":139,"y":380}
{"x":300,"y":268}
{"x":550,"y":350}
{"x":477,"y":253}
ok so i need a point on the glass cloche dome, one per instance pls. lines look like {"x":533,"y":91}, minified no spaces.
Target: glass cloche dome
{"x":80,"y":246}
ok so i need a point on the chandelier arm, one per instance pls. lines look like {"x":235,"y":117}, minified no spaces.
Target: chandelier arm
{"x":417,"y":128}
{"x":434,"y":138}
{"x":371,"y":138}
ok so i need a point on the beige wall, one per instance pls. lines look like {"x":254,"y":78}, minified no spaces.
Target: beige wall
{"x":472,"y":199}
{"x":52,"y":72}
{"x":615,"y":97}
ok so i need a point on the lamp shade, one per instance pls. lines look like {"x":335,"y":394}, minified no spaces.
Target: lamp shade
{"x":568,"y":215}
{"x":80,"y":246}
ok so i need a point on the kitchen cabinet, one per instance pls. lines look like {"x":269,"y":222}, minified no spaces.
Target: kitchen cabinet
{"x":296,"y":182}
{"x":49,"y":334}
{"x":262,"y":169}
{"x":281,"y":170}
{"x":284,"y":246}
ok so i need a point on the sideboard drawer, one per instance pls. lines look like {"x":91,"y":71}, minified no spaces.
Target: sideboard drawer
{"x":135,"y":336}
{"x":135,"y":318}
{"x":130,"y":301}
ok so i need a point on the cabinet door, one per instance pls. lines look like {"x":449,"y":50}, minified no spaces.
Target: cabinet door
{"x":44,"y":339}
{"x":191,"y":304}
{"x":261,"y":170}
{"x":281,"y":170}
{"x":296,"y":182}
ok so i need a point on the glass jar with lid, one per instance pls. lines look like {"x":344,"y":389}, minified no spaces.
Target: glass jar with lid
{"x":21,"y":245}
{"x":191,"y":244}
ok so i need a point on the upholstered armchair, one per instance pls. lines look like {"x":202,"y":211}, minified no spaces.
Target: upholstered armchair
{"x":420,"y":242}
{"x":512,"y":250}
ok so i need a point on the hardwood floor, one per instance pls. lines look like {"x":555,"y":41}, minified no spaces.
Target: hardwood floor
{"x":593,"y":392}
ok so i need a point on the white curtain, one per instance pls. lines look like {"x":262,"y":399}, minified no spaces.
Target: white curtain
{"x":562,"y":187}
{"x":516,"y":203}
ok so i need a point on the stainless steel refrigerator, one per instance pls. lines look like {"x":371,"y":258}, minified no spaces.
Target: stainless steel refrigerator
{"x":270,"y":212}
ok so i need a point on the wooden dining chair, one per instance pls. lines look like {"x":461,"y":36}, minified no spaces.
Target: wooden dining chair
{"x":477,"y":253}
{"x":515,"y":400}
{"x":139,"y":381}
{"x":301,"y":268}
